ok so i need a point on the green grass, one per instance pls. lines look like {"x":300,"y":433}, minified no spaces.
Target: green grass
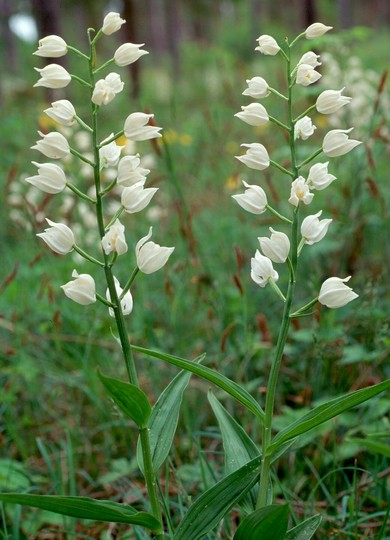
{"x":59,"y":432}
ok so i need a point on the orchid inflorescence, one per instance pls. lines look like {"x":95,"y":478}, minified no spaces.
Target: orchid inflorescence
{"x":277,"y":249}
{"x":130,"y":176}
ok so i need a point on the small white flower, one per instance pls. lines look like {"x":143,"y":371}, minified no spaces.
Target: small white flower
{"x":330,"y":101}
{"x":150,"y":256}
{"x":318,"y":177}
{"x":58,"y":237}
{"x":257,"y":88}
{"x":276,"y":247}
{"x":306,"y":75}
{"x":336,"y":142}
{"x":334,"y":293}
{"x":137,"y":128}
{"x":109,"y":154}
{"x":262,"y":270}
{"x":300,"y":192}
{"x":53,"y":145}
{"x":316,"y":30}
{"x":267,"y":45}
{"x":50,"y":178}
{"x":311,"y":59}
{"x":53,"y":76}
{"x":135,"y":198}
{"x":256,"y":156}
{"x":106,"y":89}
{"x":126,"y":302}
{"x":114,"y":239}
{"x":62,"y":111}
{"x":51,"y":47}
{"x":313,"y":230}
{"x":253,"y":114}
{"x":304,"y":128}
{"x":128,"y":53}
{"x":254,"y":200}
{"x":130,"y":172}
{"x":111,"y":23}
{"x":81,"y":290}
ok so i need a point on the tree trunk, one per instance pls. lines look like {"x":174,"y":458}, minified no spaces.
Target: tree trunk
{"x":130,"y":28}
{"x":345,"y":13}
{"x":309,"y":12}
{"x":173,"y":26}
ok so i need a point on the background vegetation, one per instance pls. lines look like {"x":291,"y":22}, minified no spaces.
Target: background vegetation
{"x":59,"y":433}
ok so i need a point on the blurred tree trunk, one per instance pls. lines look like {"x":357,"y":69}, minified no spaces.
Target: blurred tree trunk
{"x":309,"y":12}
{"x":345,"y":13}
{"x":256,"y":12}
{"x":173,"y":25}
{"x":130,"y":30}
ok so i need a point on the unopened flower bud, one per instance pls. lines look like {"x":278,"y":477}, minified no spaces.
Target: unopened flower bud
{"x":50,"y":178}
{"x":336,"y":142}
{"x":53,"y":145}
{"x":150,"y":256}
{"x":106,"y":89}
{"x":267,"y":45}
{"x":135,"y":198}
{"x":109,"y":154}
{"x":334,"y":293}
{"x":114,"y":240}
{"x":276,"y":247}
{"x":128,"y":53}
{"x":51,"y":47}
{"x":306,"y":75}
{"x":330,"y":101}
{"x":313,"y":230}
{"x":311,"y":59}
{"x":53,"y":76}
{"x":254,"y":200}
{"x":256,"y":156}
{"x":81,"y":289}
{"x":257,"y":88}
{"x":59,"y":237}
{"x":130,"y":172}
{"x":262,"y":270}
{"x":137,"y":128}
{"x":112,"y":23}
{"x":304,"y":128}
{"x":62,"y":111}
{"x":253,"y":114}
{"x":318,"y":177}
{"x":126,"y":302}
{"x":316,"y":30}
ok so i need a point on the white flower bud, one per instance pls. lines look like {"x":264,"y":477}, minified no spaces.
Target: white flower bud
{"x":53,"y":145}
{"x":311,"y":59}
{"x":130,"y":172}
{"x":106,"y":89}
{"x":318,"y":177}
{"x":109,"y":154}
{"x":150,"y":256}
{"x":262,"y":270}
{"x":267,"y":45}
{"x":136,"y":128}
{"x":257,"y":88}
{"x":50,"y":178}
{"x":304,"y":128}
{"x":316,"y":30}
{"x":63,"y":112}
{"x":256,"y":156}
{"x":300,"y":192}
{"x":306,"y":75}
{"x":128,"y":53}
{"x":51,"y":47}
{"x":135,"y":198}
{"x":254,"y":200}
{"x":114,"y":239}
{"x":276,"y":247}
{"x":253,"y":114}
{"x":126,"y":302}
{"x":81,"y":290}
{"x":336,"y":142}
{"x":313,"y":230}
{"x":111,"y":23}
{"x":58,"y":237}
{"x":335,"y":294}
{"x":330,"y":101}
{"x":53,"y":76}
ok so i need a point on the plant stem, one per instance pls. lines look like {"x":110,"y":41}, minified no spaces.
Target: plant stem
{"x":285,"y":324}
{"x":150,"y":476}
{"x":276,"y":164}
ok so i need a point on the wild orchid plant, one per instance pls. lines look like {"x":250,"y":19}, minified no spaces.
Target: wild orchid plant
{"x":246,"y":483}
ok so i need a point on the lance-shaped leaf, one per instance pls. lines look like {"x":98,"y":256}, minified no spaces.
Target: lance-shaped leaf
{"x":268,"y":523}
{"x":208,"y":510}
{"x":232,"y":388}
{"x":305,"y":530}
{"x":238,"y":446}
{"x":163,"y":421}
{"x":84,"y":508}
{"x":129,"y":398}
{"x":326,"y":411}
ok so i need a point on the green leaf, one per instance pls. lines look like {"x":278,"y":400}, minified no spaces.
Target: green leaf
{"x":129,"y":398}
{"x":163,"y":421}
{"x":238,"y":446}
{"x":327,"y":411}
{"x":208,"y":509}
{"x":232,"y":388}
{"x":305,"y":530}
{"x":268,"y":523}
{"x":85,"y":508}
{"x":374,"y":446}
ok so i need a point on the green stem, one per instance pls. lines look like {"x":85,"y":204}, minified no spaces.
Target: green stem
{"x":114,"y":218}
{"x":87,"y":256}
{"x":80,"y":193}
{"x":80,"y":156}
{"x":299,"y":312}
{"x":129,"y":282}
{"x":310,"y":158}
{"x":285,"y":324}
{"x":80,"y":80}
{"x":296,"y":39}
{"x":112,"y":139}
{"x":83,"y":124}
{"x":273,"y":91}
{"x":277,"y":214}
{"x":286,"y":171}
{"x":104,"y":301}
{"x":311,"y":108}
{"x":150,"y":476}
{"x":106,"y":64}
{"x":79,"y":53}
{"x":278,"y":123}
